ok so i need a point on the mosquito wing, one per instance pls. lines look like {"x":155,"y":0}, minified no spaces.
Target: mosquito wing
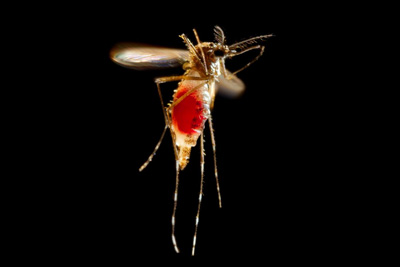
{"x":146,"y":57}
{"x":231,"y":88}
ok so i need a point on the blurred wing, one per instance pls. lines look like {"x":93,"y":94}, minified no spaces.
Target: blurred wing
{"x":145,"y":57}
{"x":230,"y":88}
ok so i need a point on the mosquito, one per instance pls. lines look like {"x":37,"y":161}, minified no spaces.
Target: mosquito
{"x":186,"y":115}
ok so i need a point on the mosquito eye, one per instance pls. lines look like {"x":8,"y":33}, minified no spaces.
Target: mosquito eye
{"x":219,"y":53}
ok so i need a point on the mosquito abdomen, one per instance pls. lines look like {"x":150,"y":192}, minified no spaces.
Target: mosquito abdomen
{"x":189,"y":116}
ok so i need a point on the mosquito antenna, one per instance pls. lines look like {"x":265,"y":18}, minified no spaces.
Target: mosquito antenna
{"x":219,"y":35}
{"x":201,"y":50}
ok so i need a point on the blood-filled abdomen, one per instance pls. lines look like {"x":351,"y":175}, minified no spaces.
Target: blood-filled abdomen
{"x":189,"y":114}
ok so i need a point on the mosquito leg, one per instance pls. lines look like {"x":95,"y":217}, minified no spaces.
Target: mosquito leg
{"x":154,"y":151}
{"x":192,"y":49}
{"x":202,"y":51}
{"x":158,"y":81}
{"x":251,"y":62}
{"x":175,"y":204}
{"x":167,"y":119}
{"x":176,"y":102}
{"x":243,"y":48}
{"x":171,"y":79}
{"x":201,"y":190}
{"x":166,"y":112}
{"x":215,"y":159}
{"x":167,"y":124}
{"x":175,"y":78}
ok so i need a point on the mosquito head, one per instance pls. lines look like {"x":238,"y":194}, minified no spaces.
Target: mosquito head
{"x":220,"y":50}
{"x":216,"y":51}
{"x":210,"y":56}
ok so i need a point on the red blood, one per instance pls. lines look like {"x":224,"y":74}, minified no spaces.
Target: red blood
{"x":188,"y":115}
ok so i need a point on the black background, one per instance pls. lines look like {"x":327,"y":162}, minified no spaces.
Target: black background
{"x":277,"y":169}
